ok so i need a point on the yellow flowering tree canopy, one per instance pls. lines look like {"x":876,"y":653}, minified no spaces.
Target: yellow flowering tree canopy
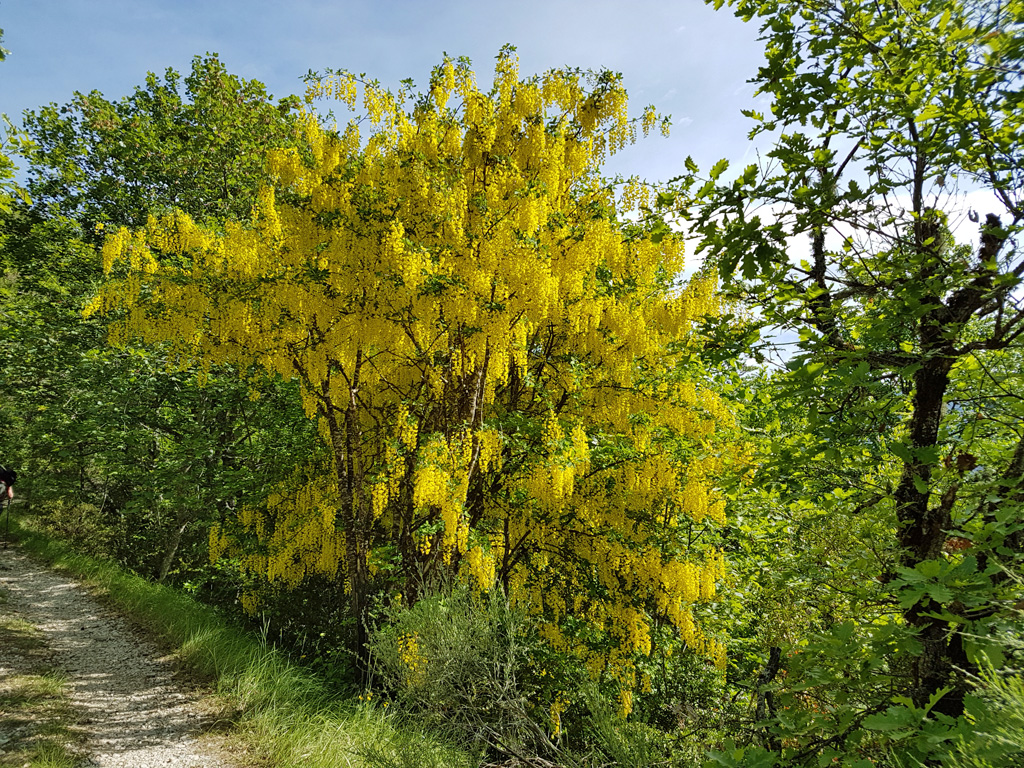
{"x":489,"y":347}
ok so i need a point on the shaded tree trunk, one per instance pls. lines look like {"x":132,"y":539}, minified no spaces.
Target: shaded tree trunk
{"x":345,"y":443}
{"x":171,"y":550}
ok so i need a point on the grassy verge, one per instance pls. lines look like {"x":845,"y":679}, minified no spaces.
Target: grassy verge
{"x":35,"y":717}
{"x":286,"y":716}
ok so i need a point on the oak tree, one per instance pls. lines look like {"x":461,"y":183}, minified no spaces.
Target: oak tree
{"x":883,"y":116}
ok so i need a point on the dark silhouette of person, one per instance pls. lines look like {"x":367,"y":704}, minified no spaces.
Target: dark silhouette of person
{"x":8,"y":477}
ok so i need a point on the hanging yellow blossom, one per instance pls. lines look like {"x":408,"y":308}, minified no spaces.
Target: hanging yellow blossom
{"x":491,"y":358}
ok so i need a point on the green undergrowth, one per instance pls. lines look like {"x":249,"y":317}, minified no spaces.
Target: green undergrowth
{"x":285,"y":715}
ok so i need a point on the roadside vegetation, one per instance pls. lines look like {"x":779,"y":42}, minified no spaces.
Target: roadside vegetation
{"x":287,"y":715}
{"x":283,"y":713}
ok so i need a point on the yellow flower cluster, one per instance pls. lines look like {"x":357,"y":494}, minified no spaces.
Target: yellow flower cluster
{"x":251,"y":601}
{"x":480,"y":565}
{"x":625,"y":702}
{"x":414,"y":662}
{"x":295,"y":536}
{"x":441,"y":483}
{"x":490,"y":449}
{"x":219,"y":543}
{"x":558,"y":706}
{"x":458,"y":278}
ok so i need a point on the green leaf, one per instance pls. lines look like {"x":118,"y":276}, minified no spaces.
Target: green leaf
{"x":812,"y":370}
{"x":894,"y":718}
{"x":706,"y":189}
{"x":719,"y":168}
{"x":902,"y":452}
{"x":940,"y":593}
{"x":843,"y":631}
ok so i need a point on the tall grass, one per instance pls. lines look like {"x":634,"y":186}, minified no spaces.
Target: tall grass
{"x":287,"y":716}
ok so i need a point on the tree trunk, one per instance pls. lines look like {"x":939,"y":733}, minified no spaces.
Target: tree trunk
{"x":172,"y":548}
{"x":923,"y":531}
{"x":345,"y":442}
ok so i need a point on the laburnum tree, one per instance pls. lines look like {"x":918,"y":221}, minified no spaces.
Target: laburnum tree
{"x":493,"y":354}
{"x":884,"y":115}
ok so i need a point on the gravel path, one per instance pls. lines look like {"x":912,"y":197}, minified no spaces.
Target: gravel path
{"x":134,"y":713}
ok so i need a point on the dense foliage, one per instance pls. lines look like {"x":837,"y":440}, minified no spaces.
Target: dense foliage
{"x":123,"y":455}
{"x":494,"y":360}
{"x":429,"y":397}
{"x":894,"y":431}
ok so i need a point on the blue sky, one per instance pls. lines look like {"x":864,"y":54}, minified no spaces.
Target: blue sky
{"x":685,"y":58}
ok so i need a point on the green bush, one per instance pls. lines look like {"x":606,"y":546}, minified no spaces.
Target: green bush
{"x":461,"y":665}
{"x":472,"y":670}
{"x":991,"y":734}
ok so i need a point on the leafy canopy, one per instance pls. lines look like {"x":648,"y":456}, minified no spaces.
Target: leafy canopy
{"x":905,"y":425}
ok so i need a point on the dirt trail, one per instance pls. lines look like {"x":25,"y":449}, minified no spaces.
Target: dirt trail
{"x":134,"y":713}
